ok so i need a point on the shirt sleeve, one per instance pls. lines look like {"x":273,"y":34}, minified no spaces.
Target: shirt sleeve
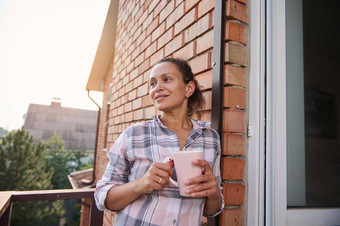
{"x":116,"y":173}
{"x":217,"y":173}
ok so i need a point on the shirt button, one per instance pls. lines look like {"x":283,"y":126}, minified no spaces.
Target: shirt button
{"x":173,"y":222}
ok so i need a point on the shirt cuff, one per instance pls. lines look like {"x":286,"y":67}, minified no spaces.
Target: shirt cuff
{"x":220,"y":210}
{"x":100,"y":197}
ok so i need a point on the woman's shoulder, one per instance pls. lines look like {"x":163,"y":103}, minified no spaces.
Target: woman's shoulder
{"x":206,"y":128}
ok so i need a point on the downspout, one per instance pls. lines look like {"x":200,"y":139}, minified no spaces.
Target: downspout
{"x":96,"y":141}
{"x":218,"y":75}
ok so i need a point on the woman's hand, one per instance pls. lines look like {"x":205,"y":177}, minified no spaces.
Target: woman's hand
{"x":156,"y":178}
{"x":204,"y":185}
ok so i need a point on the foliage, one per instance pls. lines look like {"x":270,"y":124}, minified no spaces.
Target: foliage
{"x":23,"y":167}
{"x":63,"y":162}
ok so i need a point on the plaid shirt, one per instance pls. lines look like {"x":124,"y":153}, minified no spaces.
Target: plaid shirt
{"x":131,"y":156}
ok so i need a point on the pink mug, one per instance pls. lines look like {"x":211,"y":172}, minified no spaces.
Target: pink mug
{"x":184,"y":168}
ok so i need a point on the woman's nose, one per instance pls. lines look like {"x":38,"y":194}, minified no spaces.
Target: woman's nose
{"x":159,"y":86}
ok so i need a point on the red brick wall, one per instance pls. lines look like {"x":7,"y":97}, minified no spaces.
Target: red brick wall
{"x":149,"y":30}
{"x":234,"y":114}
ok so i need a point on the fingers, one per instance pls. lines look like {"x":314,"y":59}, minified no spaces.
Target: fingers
{"x":204,"y":185}
{"x":156,"y":177}
{"x":204,"y":164}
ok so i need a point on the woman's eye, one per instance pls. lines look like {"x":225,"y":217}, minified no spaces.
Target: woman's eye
{"x":152,"y":83}
{"x":167,"y":79}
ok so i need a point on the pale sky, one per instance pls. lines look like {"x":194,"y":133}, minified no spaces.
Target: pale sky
{"x":47,"y":48}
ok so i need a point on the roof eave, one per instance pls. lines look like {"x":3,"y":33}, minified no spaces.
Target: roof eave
{"x":105,"y":50}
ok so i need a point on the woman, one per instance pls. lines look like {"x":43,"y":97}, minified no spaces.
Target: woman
{"x":136,"y":181}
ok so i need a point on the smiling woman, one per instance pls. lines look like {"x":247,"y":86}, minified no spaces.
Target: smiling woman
{"x":136,"y":181}
{"x":47,"y":49}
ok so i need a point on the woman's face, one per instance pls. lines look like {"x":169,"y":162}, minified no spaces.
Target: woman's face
{"x":167,"y":88}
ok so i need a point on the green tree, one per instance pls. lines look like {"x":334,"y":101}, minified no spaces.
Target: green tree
{"x":23,"y":167}
{"x":63,"y":162}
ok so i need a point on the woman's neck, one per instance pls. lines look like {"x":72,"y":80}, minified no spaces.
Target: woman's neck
{"x":176,"y":122}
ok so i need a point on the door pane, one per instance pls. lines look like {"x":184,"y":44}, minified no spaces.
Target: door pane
{"x":313,"y":103}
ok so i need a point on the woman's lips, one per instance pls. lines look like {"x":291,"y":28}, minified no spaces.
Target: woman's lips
{"x":160,"y":97}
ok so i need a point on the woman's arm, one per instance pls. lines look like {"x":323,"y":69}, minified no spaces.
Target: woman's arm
{"x":120,"y":196}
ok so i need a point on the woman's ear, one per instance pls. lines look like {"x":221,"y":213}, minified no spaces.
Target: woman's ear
{"x":190,"y":89}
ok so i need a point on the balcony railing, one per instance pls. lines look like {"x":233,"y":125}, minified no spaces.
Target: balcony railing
{"x":7,"y":198}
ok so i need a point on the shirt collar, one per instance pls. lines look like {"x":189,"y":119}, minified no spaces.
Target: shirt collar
{"x":196,"y":124}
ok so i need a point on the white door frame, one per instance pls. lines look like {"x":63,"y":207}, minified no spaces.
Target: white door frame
{"x":267,"y":143}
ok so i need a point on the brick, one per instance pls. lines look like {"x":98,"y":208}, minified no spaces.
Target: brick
{"x":159,"y":7}
{"x":234,"y":193}
{"x":232,"y":217}
{"x":197,"y":28}
{"x":145,"y":43}
{"x":205,"y":42}
{"x":137,"y":81}
{"x":158,"y":32}
{"x":142,"y":18}
{"x":234,"y":121}
{"x":146,"y":4}
{"x":137,"y":103}
{"x":166,"y":11}
{"x":135,"y":52}
{"x":149,"y":112}
{"x":237,"y":54}
{"x":201,"y":63}
{"x":135,"y":35}
{"x":134,"y":73}
{"x":186,"y":52}
{"x":178,"y":2}
{"x":236,"y":32}
{"x":235,"y":75}
{"x":157,"y":56}
{"x":234,"y":97}
{"x":144,"y":66}
{"x":142,"y":90}
{"x":141,"y":38}
{"x":138,"y":60}
{"x":189,"y":4}
{"x":174,"y":16}
{"x":146,"y":76}
{"x":233,"y":168}
{"x":132,"y":95}
{"x":150,"y":50}
{"x":138,"y":114}
{"x":165,"y":38}
{"x":128,"y":116}
{"x":207,"y":97}
{"x":185,"y":21}
{"x":173,"y":45}
{"x":236,"y":10}
{"x":205,"y":79}
{"x":134,"y":11}
{"x":204,"y":7}
{"x":233,"y":144}
{"x":146,"y":101}
{"x":128,"y":107}
{"x":153,"y":25}
{"x":152,"y":5}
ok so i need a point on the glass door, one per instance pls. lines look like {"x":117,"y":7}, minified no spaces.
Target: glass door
{"x":302,"y":154}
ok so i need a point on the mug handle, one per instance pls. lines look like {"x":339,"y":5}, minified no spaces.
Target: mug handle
{"x":168,"y":160}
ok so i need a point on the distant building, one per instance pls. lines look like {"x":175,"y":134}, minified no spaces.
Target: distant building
{"x":77,"y":127}
{"x":3,"y":132}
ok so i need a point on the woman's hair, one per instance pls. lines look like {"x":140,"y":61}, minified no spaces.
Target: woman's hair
{"x":196,"y":101}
